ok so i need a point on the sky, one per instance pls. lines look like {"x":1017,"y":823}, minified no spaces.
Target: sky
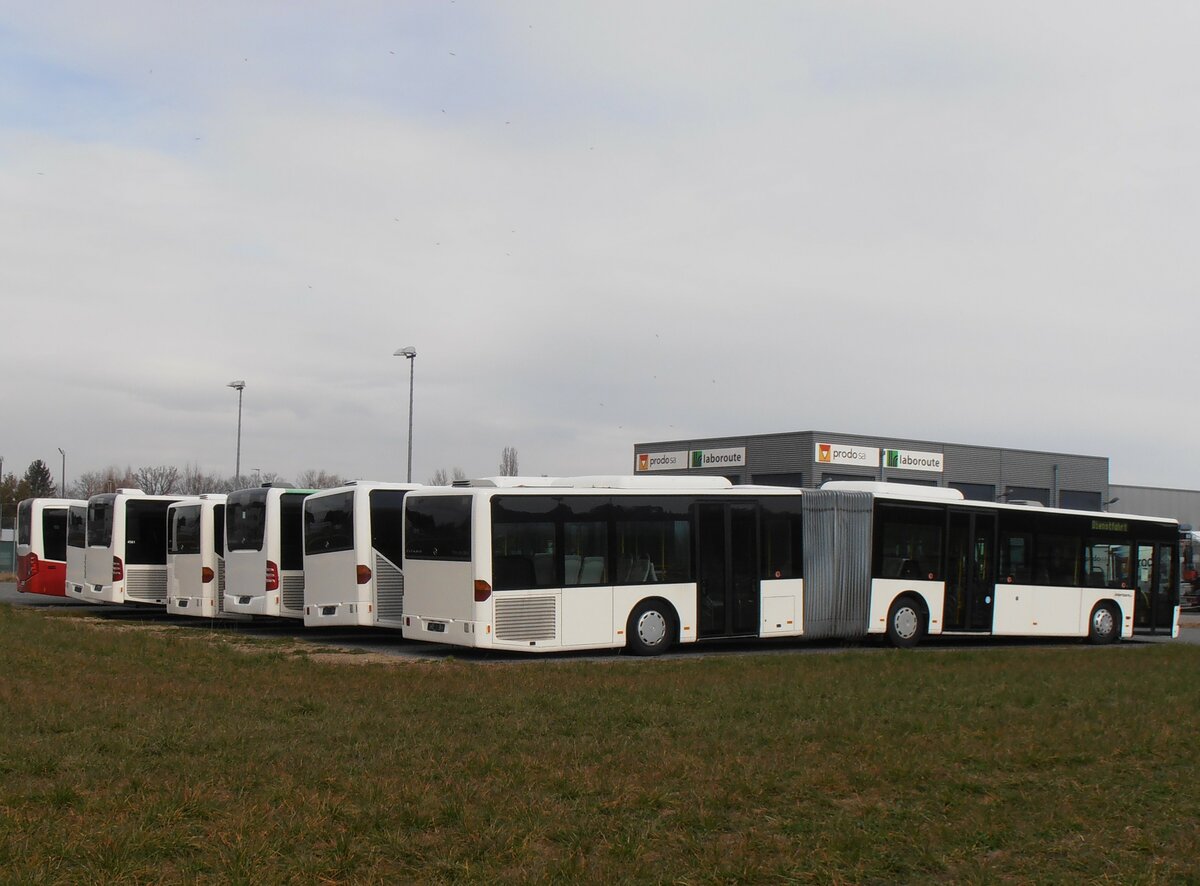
{"x":598,"y":224}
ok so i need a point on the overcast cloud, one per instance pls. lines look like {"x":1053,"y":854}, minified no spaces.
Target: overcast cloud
{"x":597,"y":224}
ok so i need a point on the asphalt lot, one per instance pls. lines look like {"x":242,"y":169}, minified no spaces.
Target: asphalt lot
{"x":390,"y":643}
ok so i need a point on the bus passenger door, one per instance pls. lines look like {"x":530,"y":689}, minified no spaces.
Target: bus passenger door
{"x":726,"y":574}
{"x":1154,"y":606}
{"x":970,"y":571}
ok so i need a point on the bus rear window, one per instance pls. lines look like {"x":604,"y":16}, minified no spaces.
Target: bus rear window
{"x":77,"y":527}
{"x":329,"y":523}
{"x":54,"y":533}
{"x":146,"y":532}
{"x":438,"y":527}
{"x":246,"y":519}
{"x":24,"y":516}
{"x":185,"y":531}
{"x":100,"y":521}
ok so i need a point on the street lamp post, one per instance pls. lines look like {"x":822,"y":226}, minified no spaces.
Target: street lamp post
{"x":411,"y":354}
{"x":62,"y":480}
{"x":239,"y":386}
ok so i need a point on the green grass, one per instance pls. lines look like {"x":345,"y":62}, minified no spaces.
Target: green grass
{"x":152,"y":757}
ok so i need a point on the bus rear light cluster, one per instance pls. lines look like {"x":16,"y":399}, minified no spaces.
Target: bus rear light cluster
{"x":364,"y":573}
{"x":483,"y":591}
{"x":32,"y":565}
{"x":118,"y":569}
{"x":272,"y":576}
{"x":206,"y":575}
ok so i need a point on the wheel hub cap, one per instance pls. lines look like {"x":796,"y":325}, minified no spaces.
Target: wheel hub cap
{"x":906,"y":622}
{"x":652,"y":628}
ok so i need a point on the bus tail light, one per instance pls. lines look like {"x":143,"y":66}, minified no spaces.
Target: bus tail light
{"x":118,"y":569}
{"x":32,"y":565}
{"x":364,"y":573}
{"x":272,"y":576}
{"x":483,"y":591}
{"x":206,"y":575}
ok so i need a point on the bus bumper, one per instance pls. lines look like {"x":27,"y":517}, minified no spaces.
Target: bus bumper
{"x":318,"y":615}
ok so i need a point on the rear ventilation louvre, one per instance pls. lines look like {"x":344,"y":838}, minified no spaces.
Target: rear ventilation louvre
{"x":524,"y":619}
{"x":389,"y":589}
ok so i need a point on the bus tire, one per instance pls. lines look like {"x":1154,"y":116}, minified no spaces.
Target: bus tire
{"x":906,"y":622}
{"x":1105,"y":625}
{"x":651,"y":629}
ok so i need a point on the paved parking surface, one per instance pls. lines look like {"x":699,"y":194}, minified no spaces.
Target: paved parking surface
{"x":390,"y":643}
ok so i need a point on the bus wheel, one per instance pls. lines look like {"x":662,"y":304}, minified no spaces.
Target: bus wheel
{"x":1104,"y":625}
{"x":905,"y":623}
{"x":651,"y":628}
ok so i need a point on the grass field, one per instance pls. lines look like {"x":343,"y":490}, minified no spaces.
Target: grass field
{"x":152,"y":756}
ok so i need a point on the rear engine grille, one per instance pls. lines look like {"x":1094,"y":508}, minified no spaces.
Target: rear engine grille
{"x":220,"y":584}
{"x":526,"y":618}
{"x":146,"y":582}
{"x":292,"y":592}
{"x":389,"y":589}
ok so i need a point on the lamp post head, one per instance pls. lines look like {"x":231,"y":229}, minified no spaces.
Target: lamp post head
{"x":236,"y":385}
{"x":408,"y":352}
{"x":60,"y":452}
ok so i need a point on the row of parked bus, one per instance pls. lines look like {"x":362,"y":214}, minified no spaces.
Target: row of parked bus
{"x":538,"y":564}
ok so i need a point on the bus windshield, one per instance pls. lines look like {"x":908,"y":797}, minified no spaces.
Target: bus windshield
{"x":246,"y":519}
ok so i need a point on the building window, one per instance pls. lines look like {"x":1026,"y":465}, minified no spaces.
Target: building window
{"x":1027,"y":493}
{"x":976,"y":491}
{"x":796,"y":479}
{"x":1078,"y":500}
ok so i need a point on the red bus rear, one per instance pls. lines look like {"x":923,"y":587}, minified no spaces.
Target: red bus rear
{"x":42,"y":546}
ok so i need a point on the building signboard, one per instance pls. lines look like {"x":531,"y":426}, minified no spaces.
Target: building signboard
{"x":844,"y":454}
{"x":909,"y":460}
{"x":719,"y":458}
{"x":662,"y":461}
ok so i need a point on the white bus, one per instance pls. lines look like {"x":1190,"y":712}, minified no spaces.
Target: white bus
{"x":196,"y":557}
{"x":353,"y":548}
{"x":42,"y":546}
{"x":617,"y":562}
{"x":126,"y":558}
{"x":76,"y":549}
{"x":264,"y":551}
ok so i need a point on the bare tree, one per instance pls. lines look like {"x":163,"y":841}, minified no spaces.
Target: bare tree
{"x":109,"y":479}
{"x":158,"y":480}
{"x":508,"y":462}
{"x":442,"y":477}
{"x":194,"y":481}
{"x":314,"y":479}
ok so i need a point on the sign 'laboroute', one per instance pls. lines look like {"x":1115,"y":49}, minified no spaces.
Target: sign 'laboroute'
{"x":844,"y":454}
{"x":719,"y":458}
{"x":908,"y":460}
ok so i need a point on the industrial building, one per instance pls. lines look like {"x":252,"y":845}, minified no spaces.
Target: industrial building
{"x":982,"y":473}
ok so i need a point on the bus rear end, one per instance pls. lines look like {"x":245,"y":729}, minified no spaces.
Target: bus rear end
{"x":353,"y":551}
{"x":251,"y":578}
{"x":76,"y":549}
{"x":184,"y":560}
{"x":41,"y":547}
{"x":442,"y":594}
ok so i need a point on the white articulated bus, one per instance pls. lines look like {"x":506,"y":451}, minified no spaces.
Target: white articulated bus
{"x":76,"y":549}
{"x":617,"y":562}
{"x":42,"y":546}
{"x":264,"y":551}
{"x":126,"y":558}
{"x":353,"y":548}
{"x":196,"y":557}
